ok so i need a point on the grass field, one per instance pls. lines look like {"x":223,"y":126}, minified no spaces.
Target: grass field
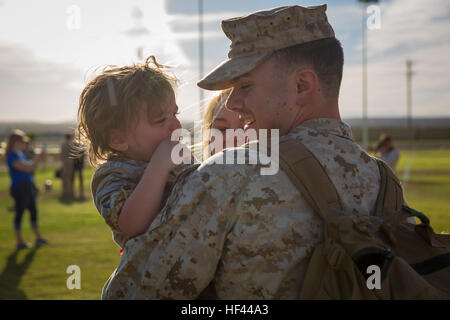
{"x":78,"y":235}
{"x":426,"y":178}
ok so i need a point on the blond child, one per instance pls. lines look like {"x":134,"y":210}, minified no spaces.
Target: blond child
{"x":127,"y":116}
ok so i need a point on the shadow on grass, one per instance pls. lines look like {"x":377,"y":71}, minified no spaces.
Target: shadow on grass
{"x":70,"y":200}
{"x":12,"y":274}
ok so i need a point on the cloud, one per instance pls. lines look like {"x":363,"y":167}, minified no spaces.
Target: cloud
{"x":185,"y":26}
{"x":409,"y":24}
{"x":33,"y":89}
{"x":409,"y":30}
{"x":41,"y":57}
{"x":207,"y":17}
{"x":137,"y":31}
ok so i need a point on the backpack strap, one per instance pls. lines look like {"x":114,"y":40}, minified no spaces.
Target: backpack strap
{"x":390,"y":195}
{"x":390,"y":205}
{"x":310,"y":178}
{"x":379,"y":207}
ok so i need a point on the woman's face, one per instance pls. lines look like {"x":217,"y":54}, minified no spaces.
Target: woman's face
{"x":227,"y":119}
{"x":20,"y":145}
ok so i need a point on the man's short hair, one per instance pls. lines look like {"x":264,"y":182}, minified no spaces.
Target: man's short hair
{"x":325,"y":57}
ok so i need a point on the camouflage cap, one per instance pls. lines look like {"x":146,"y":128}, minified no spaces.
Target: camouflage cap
{"x":257,"y":36}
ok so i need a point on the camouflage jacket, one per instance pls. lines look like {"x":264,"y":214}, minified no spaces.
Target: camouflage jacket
{"x":247,"y":235}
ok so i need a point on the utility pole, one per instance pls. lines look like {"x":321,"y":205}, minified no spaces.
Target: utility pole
{"x":365,"y":131}
{"x":365,"y":125}
{"x":200,"y":52}
{"x":409,"y":74}
{"x":138,"y":30}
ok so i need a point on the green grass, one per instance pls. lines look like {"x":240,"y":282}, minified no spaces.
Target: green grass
{"x":78,"y":235}
{"x":427,"y":186}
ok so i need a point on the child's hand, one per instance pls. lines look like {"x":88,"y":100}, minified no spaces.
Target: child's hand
{"x":163,"y":154}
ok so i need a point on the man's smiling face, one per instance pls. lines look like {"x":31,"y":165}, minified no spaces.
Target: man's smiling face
{"x":264,"y":98}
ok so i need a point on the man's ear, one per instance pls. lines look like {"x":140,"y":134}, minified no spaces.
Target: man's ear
{"x":117,"y":141}
{"x":307,"y":84}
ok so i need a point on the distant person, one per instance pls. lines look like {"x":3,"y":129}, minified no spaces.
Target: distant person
{"x":386,"y":151}
{"x":220,"y":118}
{"x":22,"y":188}
{"x":29,"y":146}
{"x":78,"y":166}
{"x":68,"y":163}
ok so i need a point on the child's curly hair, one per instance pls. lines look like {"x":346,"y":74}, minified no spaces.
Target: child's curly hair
{"x":113,"y":101}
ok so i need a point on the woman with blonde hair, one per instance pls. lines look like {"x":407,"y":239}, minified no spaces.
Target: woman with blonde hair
{"x":22,"y":188}
{"x":220,"y":118}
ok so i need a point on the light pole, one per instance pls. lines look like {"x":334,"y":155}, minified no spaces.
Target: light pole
{"x":138,"y":30}
{"x":365,"y":126}
{"x":200,"y":51}
{"x":409,"y":74}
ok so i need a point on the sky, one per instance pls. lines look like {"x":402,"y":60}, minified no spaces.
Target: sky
{"x":49,"y":50}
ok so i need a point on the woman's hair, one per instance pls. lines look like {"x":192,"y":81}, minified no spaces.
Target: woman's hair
{"x":211,"y":113}
{"x":114,"y":99}
{"x":15,"y":136}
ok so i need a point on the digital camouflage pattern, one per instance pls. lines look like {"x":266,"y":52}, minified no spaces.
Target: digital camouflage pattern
{"x":112,"y":184}
{"x":250,"y":235}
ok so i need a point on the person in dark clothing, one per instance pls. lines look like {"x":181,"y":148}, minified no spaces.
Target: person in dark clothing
{"x":78,"y":166}
{"x":67,"y":170}
{"x":22,"y":187}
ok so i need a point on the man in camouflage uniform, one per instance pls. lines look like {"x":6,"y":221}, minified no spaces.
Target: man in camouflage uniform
{"x":227,"y":227}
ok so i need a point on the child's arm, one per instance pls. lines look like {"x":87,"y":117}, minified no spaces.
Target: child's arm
{"x":141,"y":208}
